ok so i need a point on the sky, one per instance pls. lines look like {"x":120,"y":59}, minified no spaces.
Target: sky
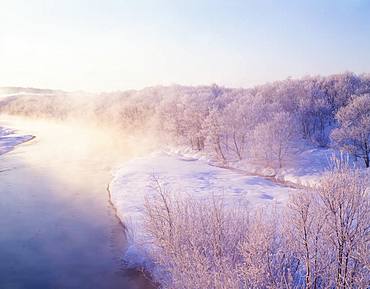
{"x":130,"y":44}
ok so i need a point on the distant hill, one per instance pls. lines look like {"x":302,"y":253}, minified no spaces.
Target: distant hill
{"x":11,"y":90}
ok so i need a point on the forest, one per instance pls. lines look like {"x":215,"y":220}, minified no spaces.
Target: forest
{"x":269,"y":123}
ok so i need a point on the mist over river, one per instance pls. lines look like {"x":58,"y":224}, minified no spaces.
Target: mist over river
{"x":57,"y":226}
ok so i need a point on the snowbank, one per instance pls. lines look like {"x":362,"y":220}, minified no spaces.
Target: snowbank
{"x":9,"y":139}
{"x":309,"y":167}
{"x":186,"y":174}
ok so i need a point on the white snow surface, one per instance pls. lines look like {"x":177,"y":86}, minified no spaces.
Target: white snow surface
{"x":310,"y":166}
{"x":190,"y":175}
{"x":9,"y":139}
{"x":305,"y":171}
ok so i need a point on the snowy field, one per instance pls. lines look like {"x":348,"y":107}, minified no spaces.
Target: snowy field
{"x":187,"y":175}
{"x":9,"y":139}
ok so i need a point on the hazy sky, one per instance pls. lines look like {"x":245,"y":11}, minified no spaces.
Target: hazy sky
{"x":123,"y":44}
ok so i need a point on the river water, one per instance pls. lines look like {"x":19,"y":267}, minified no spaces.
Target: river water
{"x":57,"y":227}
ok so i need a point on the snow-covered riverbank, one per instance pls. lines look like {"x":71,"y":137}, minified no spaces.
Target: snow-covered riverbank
{"x":10,"y":138}
{"x":186,"y":175}
{"x":192,"y":174}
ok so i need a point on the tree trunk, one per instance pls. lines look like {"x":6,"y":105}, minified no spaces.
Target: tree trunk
{"x":367,"y":154}
{"x":237,"y":149}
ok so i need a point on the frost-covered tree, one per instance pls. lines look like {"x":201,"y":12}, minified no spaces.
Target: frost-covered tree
{"x":235,"y":122}
{"x":344,"y":196}
{"x":272,"y":141}
{"x":353,"y":133}
{"x":239,"y":118}
{"x":329,"y":230}
{"x":265,"y":262}
{"x":214,"y":128}
{"x":305,"y":228}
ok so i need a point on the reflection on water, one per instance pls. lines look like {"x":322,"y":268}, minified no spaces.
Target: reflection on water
{"x":57,"y":228}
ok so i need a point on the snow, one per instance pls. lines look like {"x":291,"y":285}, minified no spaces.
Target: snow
{"x":181,"y":173}
{"x":9,"y":139}
{"x":305,"y":169}
{"x":193,"y":174}
{"x":309,"y":167}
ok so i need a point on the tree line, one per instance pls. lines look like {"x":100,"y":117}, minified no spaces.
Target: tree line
{"x":267,"y":122}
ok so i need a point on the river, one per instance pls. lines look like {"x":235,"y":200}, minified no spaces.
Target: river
{"x":57,"y":227}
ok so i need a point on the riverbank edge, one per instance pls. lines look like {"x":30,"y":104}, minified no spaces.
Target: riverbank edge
{"x":146,"y":273}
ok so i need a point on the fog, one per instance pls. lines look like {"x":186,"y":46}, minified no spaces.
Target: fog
{"x":63,"y":144}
